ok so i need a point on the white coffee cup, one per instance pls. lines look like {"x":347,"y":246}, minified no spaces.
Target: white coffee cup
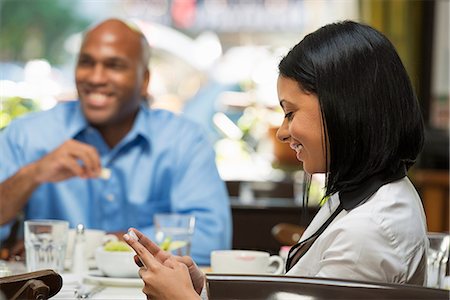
{"x":245,"y":262}
{"x":94,"y":239}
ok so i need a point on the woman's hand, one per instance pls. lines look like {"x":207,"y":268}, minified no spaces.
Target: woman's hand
{"x":165,"y":276}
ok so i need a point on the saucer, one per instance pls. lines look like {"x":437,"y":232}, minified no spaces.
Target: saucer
{"x":97,"y":277}
{"x":90,"y":263}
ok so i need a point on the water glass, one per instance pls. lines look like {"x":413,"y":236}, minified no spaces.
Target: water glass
{"x":298,"y":182}
{"x":45,"y":244}
{"x":174,"y":232}
{"x":437,"y":260}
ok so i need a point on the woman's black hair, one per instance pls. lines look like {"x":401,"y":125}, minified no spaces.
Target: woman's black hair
{"x":371,"y":117}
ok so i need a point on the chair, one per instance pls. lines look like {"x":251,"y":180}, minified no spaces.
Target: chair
{"x":220,"y":286}
{"x":9,"y":243}
{"x":33,"y":285}
{"x":433,"y":186}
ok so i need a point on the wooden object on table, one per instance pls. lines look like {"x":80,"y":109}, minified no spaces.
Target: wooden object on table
{"x":40,"y":285}
{"x":433,"y":186}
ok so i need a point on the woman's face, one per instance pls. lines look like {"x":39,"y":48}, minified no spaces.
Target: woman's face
{"x":302,"y":126}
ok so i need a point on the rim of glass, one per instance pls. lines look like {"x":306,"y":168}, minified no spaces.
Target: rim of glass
{"x":46,"y":221}
{"x":240,"y":253}
{"x":174,"y":215}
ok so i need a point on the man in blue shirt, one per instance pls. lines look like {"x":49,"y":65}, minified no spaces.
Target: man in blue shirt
{"x":51,"y":162}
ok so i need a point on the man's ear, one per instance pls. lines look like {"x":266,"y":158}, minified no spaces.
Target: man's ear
{"x":145,"y":83}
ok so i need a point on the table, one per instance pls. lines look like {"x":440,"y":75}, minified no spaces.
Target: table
{"x":71,"y":282}
{"x":109,"y":292}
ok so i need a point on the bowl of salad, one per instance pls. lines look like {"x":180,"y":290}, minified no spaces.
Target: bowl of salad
{"x":116,"y":259}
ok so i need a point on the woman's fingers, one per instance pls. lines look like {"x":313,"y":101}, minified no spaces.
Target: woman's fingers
{"x":137,"y":261}
{"x":197,"y":276}
{"x":162,"y":275}
{"x":171,"y":263}
{"x":146,"y":258}
{"x":151,"y":246}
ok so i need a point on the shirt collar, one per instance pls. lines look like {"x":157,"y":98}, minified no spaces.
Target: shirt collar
{"x":141,"y":128}
{"x":141,"y":125}
{"x":78,"y":122}
{"x":352,"y":198}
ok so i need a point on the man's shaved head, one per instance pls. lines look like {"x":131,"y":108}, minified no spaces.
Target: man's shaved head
{"x":134,"y":31}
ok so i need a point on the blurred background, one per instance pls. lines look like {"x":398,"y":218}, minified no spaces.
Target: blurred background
{"x":216,"y":62}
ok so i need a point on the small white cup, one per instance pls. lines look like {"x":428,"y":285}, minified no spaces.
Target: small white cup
{"x":94,"y":239}
{"x":245,"y":262}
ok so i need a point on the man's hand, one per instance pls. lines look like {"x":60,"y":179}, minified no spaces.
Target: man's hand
{"x":161,"y":271}
{"x":72,"y":158}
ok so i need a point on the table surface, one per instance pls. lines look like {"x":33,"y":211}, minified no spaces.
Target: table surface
{"x":71,"y":282}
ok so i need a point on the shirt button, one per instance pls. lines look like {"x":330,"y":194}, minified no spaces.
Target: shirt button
{"x":110,"y":197}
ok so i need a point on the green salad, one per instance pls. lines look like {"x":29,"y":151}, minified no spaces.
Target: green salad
{"x":118,"y":246}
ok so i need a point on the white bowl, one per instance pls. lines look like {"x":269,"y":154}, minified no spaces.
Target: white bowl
{"x":116,"y":263}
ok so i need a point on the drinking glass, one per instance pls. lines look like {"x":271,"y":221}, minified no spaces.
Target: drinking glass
{"x":45,"y":244}
{"x":437,"y":259}
{"x":174,"y":232}
{"x":298,"y":182}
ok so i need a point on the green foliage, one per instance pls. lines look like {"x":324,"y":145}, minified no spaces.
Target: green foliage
{"x":14,"y":107}
{"x":32,"y":29}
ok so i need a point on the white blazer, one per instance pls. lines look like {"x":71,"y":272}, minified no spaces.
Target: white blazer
{"x":383,"y":239}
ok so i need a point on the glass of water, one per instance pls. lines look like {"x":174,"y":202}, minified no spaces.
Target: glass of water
{"x":437,"y":260}
{"x":174,"y":232}
{"x":45,"y":244}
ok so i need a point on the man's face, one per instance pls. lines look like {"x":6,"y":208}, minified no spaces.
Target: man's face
{"x":111,"y":76}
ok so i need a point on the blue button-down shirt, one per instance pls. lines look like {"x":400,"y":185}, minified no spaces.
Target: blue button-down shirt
{"x":164,"y":164}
